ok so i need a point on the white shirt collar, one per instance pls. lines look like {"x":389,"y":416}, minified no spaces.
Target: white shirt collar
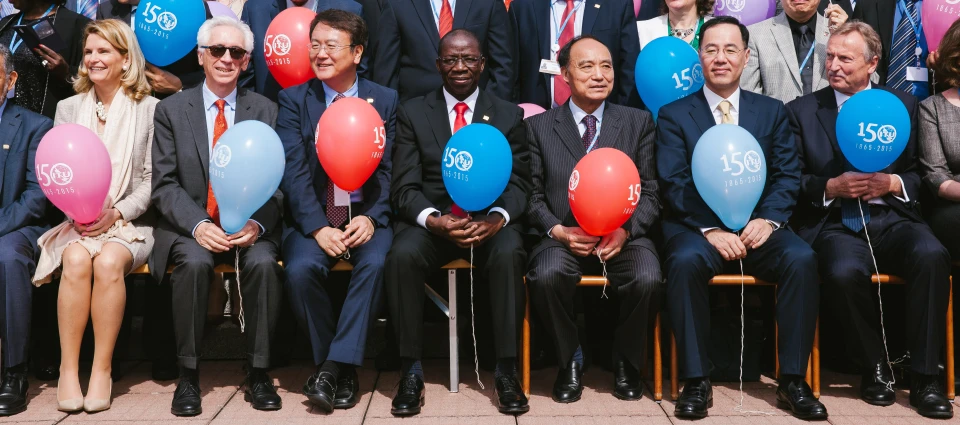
{"x":209,"y":98}
{"x":310,"y":4}
{"x":579,"y":114}
{"x":471,"y":100}
{"x":842,"y":98}
{"x":714,"y":99}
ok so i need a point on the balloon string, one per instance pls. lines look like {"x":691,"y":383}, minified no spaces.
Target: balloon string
{"x":473,"y":326}
{"x":603,"y":295}
{"x":346,"y":254}
{"x":236,"y":268}
{"x":883,"y":330}
{"x":743,"y":279}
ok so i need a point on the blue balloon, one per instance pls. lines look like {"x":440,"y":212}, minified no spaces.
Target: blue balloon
{"x":873,"y":129}
{"x":477,"y":163}
{"x":245,"y":171}
{"x":667,"y":69}
{"x":167,"y":29}
{"x":730,"y":172}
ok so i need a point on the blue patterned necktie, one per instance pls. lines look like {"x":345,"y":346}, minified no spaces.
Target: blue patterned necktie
{"x":904,"y":49}
{"x":591,"y":122}
{"x":88,"y":8}
{"x":850,"y":210}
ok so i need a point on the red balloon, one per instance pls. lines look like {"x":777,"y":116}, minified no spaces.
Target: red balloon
{"x":350,"y":142}
{"x":286,"y":46}
{"x":604,"y":190}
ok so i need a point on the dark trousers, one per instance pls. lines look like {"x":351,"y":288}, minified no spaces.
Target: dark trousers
{"x":18,"y":255}
{"x":784,"y":258}
{"x":945,"y":222}
{"x":416,"y":253}
{"x":307,"y":267}
{"x":261,"y":286}
{"x":902,"y":247}
{"x":634,"y":276}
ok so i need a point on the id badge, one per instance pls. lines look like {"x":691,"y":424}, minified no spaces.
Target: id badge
{"x":915,"y":73}
{"x":341,"y":198}
{"x":549,"y":67}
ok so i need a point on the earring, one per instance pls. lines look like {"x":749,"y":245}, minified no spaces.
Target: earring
{"x":124,"y":68}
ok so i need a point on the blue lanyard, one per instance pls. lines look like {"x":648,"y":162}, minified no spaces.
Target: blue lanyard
{"x":560,"y":26}
{"x":917,"y":26}
{"x":809,"y":54}
{"x":14,"y":45}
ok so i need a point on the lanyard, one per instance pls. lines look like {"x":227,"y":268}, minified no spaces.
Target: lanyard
{"x":917,"y":26}
{"x":560,"y":26}
{"x":14,"y":44}
{"x":807,"y":59}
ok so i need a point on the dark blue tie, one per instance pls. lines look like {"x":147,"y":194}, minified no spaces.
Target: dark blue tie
{"x":904,"y":52}
{"x":850,"y":210}
{"x":591,"y":122}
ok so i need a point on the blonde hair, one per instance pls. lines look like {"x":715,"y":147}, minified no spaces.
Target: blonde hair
{"x":120,"y":36}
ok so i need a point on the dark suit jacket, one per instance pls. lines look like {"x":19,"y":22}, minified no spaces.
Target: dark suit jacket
{"x":258,"y":14}
{"x":304,"y":183}
{"x":422,"y":133}
{"x":23,"y":207}
{"x":613,"y":24}
{"x":879,"y":14}
{"x":408,"y":43}
{"x":814,"y":124}
{"x":556,"y":147}
{"x":649,"y":9}
{"x":69,"y":25}
{"x":181,"y":161}
{"x":680,"y":125}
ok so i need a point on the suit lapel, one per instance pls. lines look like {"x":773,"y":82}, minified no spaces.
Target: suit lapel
{"x":820,"y":54}
{"x":784,"y":39}
{"x":749,"y":115}
{"x":591,"y":8}
{"x":484,"y":111}
{"x":566,"y":129}
{"x":9,"y":125}
{"x":316,"y":104}
{"x":609,"y":128}
{"x":541,"y":14}
{"x":197,"y":117}
{"x":460,"y":13}
{"x":429,"y":24}
{"x":242,"y":108}
{"x":700,"y":112}
{"x":886,"y":25}
{"x":827,"y":112}
{"x":439,"y":118}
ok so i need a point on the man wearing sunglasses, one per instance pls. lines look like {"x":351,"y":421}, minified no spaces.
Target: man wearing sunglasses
{"x":188,"y":234}
{"x":318,"y":228}
{"x":432,"y":230}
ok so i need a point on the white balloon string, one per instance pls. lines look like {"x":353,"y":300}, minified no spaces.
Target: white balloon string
{"x":883,"y":330}
{"x":236,"y":268}
{"x":739,"y":407}
{"x":346,"y":254}
{"x":605,"y":281}
{"x":473,"y":326}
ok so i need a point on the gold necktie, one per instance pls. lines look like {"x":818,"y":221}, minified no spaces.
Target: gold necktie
{"x":725,"y":110}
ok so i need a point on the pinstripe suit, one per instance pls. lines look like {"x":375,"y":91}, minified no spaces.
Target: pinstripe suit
{"x":773,"y":69}
{"x":554,"y":271}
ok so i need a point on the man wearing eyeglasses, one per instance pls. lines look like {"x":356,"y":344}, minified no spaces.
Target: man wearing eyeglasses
{"x":188,"y":234}
{"x":431,"y":230}
{"x":697,"y":244}
{"x":318,"y":230}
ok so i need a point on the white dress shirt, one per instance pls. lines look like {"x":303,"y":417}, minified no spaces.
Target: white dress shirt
{"x":841,"y":99}
{"x":556,"y":20}
{"x":471,"y":102}
{"x":580,"y":114}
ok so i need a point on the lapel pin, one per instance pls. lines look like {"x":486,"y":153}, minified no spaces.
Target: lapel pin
{"x":486,"y":118}
{"x":596,"y":5}
{"x":370,"y":100}
{"x":6,"y":147}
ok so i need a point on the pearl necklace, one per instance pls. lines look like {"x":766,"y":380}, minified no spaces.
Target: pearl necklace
{"x":101,"y":112}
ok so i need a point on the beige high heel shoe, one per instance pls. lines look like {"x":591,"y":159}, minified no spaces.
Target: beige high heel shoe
{"x":94,"y":406}
{"x":70,"y":406}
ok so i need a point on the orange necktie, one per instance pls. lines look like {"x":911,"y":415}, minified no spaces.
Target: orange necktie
{"x":219,"y":127}
{"x":446,"y":19}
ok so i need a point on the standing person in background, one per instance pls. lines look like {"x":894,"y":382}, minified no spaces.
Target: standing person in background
{"x":23,"y":218}
{"x":554,"y":23}
{"x":113,"y":102}
{"x":680,"y":18}
{"x":408,"y":44}
{"x":903,"y":58}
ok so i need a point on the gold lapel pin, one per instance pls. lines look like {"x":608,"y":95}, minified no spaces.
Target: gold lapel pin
{"x":596,"y":5}
{"x":369,"y":100}
{"x":486,"y":118}
{"x":5,"y":147}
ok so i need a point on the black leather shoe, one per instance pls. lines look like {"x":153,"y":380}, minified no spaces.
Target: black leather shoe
{"x":13,"y":391}
{"x":186,"y":399}
{"x":873,"y":389}
{"x":320,"y":389}
{"x":696,"y":398}
{"x":348,"y":390}
{"x":927,"y":396}
{"x":409,"y":397}
{"x":569,"y":384}
{"x":510,"y":397}
{"x":796,"y":395}
{"x":627,"y":384}
{"x":260,"y":392}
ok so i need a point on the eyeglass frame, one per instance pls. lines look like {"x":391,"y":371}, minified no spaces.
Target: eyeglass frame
{"x":726,"y":54}
{"x":225,"y":50}
{"x":460,"y":58}
{"x":323,"y":48}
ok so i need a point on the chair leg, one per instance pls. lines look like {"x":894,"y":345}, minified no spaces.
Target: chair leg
{"x":776,"y":351}
{"x":951,"y":389}
{"x":525,"y":366}
{"x":816,"y":360}
{"x":454,"y":338}
{"x":657,"y":362}
{"x":674,"y":386}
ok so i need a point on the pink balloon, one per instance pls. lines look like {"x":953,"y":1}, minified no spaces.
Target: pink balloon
{"x":937,"y":16}
{"x":636,"y":7}
{"x":74,"y":171}
{"x":530,"y":109}
{"x":220,"y":9}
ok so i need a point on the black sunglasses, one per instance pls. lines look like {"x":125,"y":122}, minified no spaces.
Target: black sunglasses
{"x":217,"y":51}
